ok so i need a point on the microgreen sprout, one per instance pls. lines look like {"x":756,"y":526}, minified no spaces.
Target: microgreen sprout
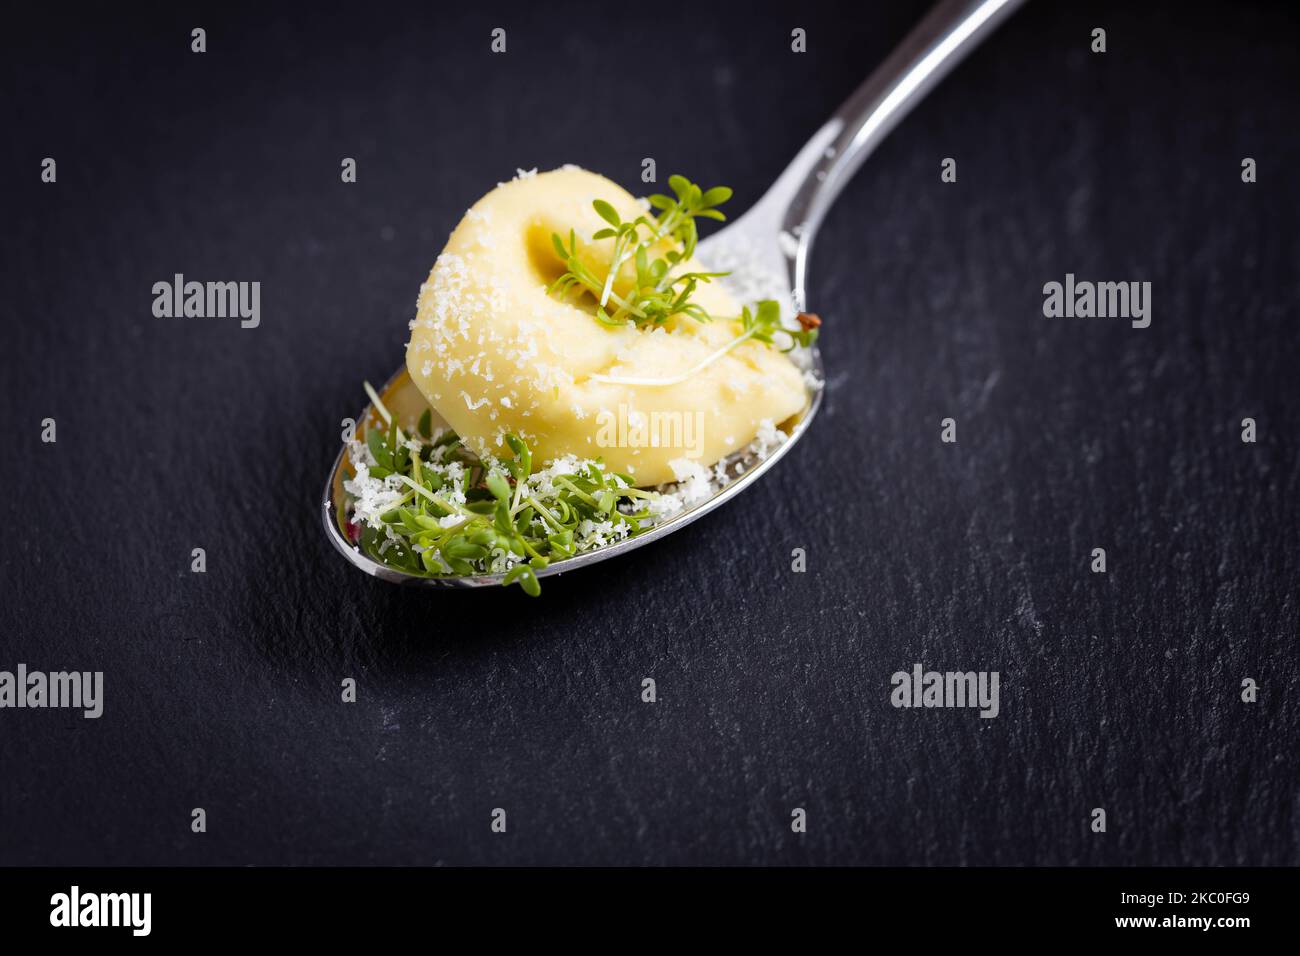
{"x":658,"y":290}
{"x":761,"y":324}
{"x":424,"y":504}
{"x":656,"y":245}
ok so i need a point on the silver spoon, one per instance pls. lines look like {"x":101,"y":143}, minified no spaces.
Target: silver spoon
{"x":770,"y":245}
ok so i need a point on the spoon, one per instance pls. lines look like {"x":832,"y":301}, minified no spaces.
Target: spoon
{"x":767,"y":249}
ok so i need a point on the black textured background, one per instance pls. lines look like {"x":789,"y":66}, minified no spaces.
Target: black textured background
{"x":1119,"y":691}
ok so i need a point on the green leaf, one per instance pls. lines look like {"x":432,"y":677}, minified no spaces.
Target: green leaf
{"x":561,"y":542}
{"x":499,"y":487}
{"x":401,"y":454}
{"x":523,"y":574}
{"x":522,"y":454}
{"x":378,"y":447}
{"x":461,"y":549}
{"x":606,"y":212}
{"x":716,"y":196}
{"x":501,"y":519}
{"x":409,"y":525}
{"x":459,"y":566}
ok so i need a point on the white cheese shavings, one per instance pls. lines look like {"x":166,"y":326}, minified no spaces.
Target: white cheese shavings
{"x":693,"y":480}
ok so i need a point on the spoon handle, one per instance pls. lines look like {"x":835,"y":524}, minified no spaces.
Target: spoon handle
{"x":823,"y":168}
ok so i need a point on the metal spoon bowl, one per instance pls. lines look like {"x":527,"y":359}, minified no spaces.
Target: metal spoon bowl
{"x":400,"y":393}
{"x":768,"y":247}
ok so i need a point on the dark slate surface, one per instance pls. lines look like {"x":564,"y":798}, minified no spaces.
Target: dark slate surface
{"x":1119,"y":691}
